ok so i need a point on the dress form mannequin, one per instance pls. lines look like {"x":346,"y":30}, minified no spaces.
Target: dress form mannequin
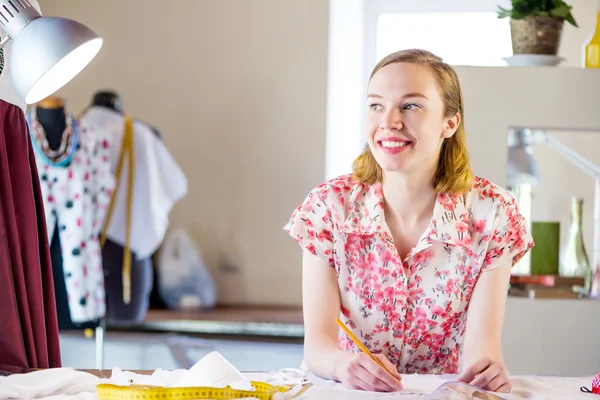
{"x":76,"y":186}
{"x":150,"y":183}
{"x":51,"y":114}
{"x":142,"y":271}
{"x":108,"y":99}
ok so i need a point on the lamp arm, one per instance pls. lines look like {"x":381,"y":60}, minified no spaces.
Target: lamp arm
{"x":4,"y":41}
{"x":594,"y":171}
{"x":571,"y":155}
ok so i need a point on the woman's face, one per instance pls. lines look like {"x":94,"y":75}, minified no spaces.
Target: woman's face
{"x":405,"y":123}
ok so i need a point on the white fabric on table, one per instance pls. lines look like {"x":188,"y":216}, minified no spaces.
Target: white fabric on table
{"x":69,"y":384}
{"x":50,"y":384}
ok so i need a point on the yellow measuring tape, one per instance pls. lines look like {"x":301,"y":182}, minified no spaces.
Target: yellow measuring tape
{"x":126,"y":147}
{"x":264,"y":391}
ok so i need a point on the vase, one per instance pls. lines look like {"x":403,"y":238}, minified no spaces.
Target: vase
{"x":575,"y":261}
{"x":591,"y":50}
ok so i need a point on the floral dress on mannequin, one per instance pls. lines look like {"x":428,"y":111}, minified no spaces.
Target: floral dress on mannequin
{"x":76,"y":185}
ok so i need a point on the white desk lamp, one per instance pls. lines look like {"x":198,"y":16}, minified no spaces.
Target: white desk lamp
{"x":523,"y":169}
{"x":47,"y":52}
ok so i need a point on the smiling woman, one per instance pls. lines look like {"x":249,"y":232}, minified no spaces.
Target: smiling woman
{"x":409,"y":242}
{"x":423,"y":98}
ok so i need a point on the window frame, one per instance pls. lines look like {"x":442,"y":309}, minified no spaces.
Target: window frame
{"x":374,"y":8}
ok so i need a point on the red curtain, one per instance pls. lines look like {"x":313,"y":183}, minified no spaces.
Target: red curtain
{"x":28,"y":321}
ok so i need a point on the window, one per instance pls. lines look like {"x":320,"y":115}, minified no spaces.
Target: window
{"x":462,"y":32}
{"x":472,"y":38}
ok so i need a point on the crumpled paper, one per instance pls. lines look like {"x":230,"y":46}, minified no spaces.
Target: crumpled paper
{"x":213,"y":370}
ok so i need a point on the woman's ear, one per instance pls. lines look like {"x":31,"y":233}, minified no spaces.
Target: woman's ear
{"x":451,"y":125}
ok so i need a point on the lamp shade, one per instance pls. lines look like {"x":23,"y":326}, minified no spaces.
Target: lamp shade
{"x":522,"y":167}
{"x":47,"y":53}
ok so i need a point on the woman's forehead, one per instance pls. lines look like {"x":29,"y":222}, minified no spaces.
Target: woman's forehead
{"x":404,"y":78}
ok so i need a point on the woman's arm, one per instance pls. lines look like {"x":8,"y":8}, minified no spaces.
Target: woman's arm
{"x":482,"y":352}
{"x":325,"y":358}
{"x":321,"y":307}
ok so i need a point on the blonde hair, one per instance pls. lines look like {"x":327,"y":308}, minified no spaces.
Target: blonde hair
{"x":453,"y":174}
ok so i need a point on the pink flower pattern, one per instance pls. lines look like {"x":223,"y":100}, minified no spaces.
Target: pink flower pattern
{"x":413,"y":311}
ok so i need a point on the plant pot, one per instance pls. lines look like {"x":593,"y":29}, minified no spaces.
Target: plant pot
{"x":536,"y":35}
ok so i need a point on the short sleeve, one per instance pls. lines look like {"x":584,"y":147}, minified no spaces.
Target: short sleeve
{"x":510,"y":239}
{"x":311,"y":225}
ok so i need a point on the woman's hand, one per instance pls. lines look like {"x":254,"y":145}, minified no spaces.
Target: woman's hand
{"x":359,"y":371}
{"x":487,"y":375}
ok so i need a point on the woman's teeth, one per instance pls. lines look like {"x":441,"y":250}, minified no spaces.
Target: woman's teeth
{"x":393,"y":144}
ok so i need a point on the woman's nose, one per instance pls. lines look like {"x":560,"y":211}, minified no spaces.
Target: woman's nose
{"x":392,"y":120}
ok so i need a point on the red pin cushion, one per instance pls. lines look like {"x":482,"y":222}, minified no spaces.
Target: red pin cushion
{"x":595,"y":386}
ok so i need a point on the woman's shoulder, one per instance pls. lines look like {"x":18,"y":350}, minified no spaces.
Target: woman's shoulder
{"x":487,"y":196}
{"x":496,"y":216}
{"x":488,"y":190}
{"x":335,"y":190}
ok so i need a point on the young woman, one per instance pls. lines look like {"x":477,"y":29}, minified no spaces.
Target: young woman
{"x":411,"y":250}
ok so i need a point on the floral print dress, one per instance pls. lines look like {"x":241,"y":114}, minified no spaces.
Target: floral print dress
{"x":76,"y":196}
{"x":413,"y":310}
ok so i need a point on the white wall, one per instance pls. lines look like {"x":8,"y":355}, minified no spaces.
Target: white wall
{"x":238,"y":90}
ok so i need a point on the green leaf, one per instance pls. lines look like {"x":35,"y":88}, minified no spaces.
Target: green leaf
{"x":561,"y":12}
{"x":523,"y":8}
{"x":571,"y":20}
{"x":504,"y":13}
{"x":543,"y":8}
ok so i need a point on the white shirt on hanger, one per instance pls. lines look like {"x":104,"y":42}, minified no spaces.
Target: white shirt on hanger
{"x":158,"y":181}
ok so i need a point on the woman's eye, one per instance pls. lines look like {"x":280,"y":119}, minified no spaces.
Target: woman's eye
{"x":411,"y":106}
{"x":376,"y":107}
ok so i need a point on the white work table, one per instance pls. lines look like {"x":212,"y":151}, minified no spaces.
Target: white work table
{"x":71,"y":384}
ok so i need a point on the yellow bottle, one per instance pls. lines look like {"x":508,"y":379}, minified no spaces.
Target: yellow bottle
{"x":592,"y":48}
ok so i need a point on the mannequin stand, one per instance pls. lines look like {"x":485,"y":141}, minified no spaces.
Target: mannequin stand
{"x":100,"y":345}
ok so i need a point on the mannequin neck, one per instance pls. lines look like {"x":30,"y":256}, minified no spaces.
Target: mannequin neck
{"x":53,"y":120}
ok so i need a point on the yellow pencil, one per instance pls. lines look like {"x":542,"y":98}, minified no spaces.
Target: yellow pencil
{"x":358,"y":342}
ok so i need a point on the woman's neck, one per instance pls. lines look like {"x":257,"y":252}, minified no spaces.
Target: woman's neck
{"x":409,"y":198}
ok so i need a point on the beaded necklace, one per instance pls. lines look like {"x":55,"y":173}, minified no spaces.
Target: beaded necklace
{"x":62,"y":156}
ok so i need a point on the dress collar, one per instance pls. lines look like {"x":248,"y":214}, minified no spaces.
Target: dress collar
{"x":449,"y":223}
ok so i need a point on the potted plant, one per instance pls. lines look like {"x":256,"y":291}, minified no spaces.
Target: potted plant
{"x":536,"y":25}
